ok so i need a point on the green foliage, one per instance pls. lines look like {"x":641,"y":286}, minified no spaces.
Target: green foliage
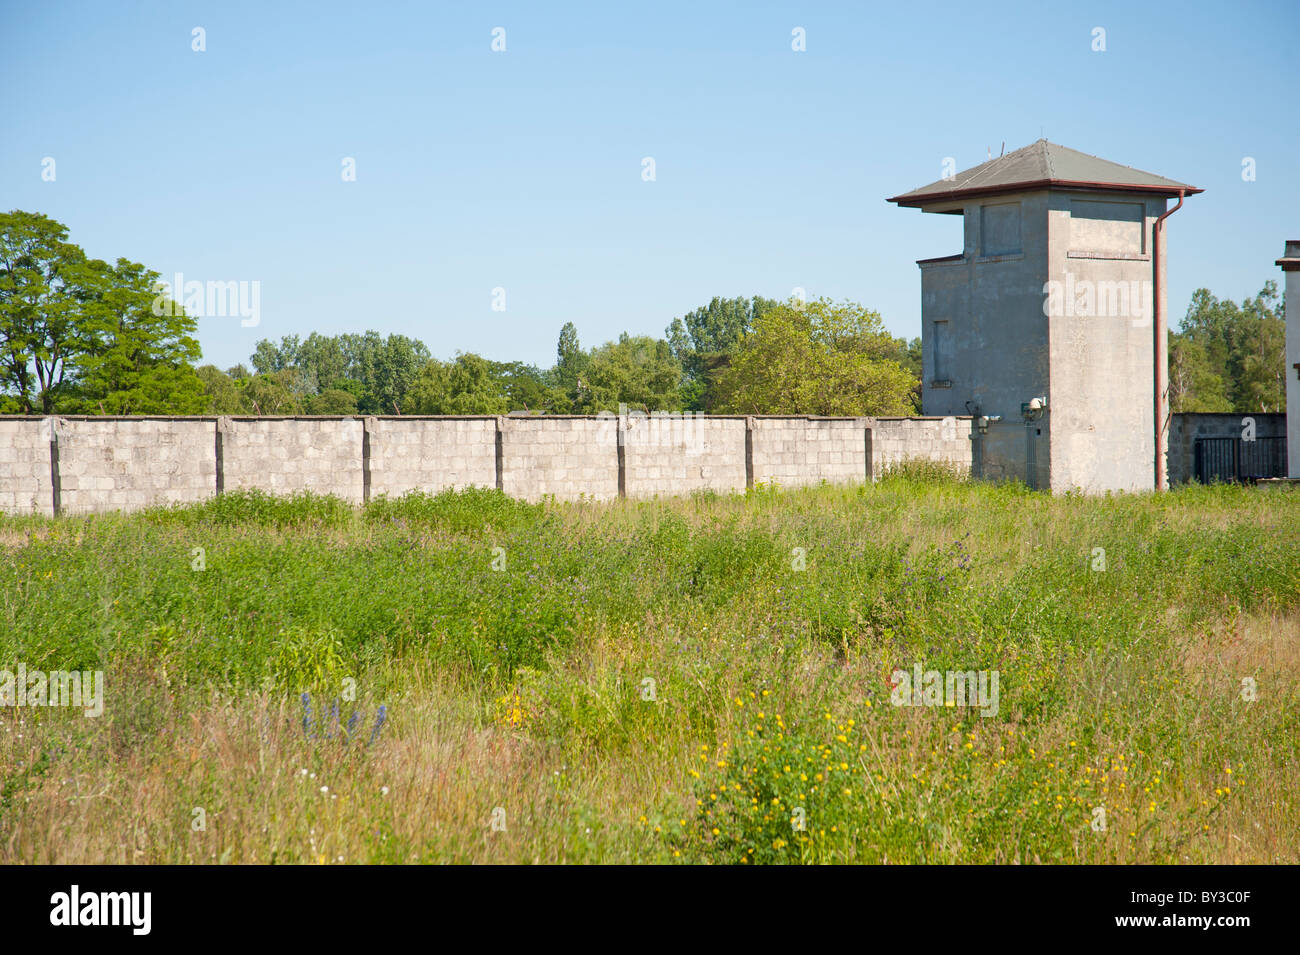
{"x":816,"y":358}
{"x":638,"y":372}
{"x":464,"y":386}
{"x":1226,"y":357}
{"x":704,"y":341}
{"x":377,"y":371}
{"x":302,"y":509}
{"x":1131,"y":674}
{"x":79,"y":335}
{"x":471,"y":510}
{"x":140,"y":348}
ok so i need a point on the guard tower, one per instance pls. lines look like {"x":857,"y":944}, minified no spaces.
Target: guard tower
{"x":1050,"y":322}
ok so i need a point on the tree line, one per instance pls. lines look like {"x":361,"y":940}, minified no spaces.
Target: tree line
{"x":1229,"y":357}
{"x":81,"y":336}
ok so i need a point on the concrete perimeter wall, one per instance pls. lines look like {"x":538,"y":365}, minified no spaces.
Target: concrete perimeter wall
{"x":946,"y":440}
{"x":128,"y":463}
{"x":26,"y":486}
{"x":793,"y":452}
{"x":284,"y":455}
{"x":677,"y":454}
{"x":431,"y":454}
{"x":1185,"y":428}
{"x":90,"y":464}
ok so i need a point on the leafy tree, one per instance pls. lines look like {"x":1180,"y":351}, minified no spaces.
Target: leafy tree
{"x":529,"y":388}
{"x":706,"y":338}
{"x":331,"y":401}
{"x":1193,"y":385}
{"x":639,"y":372}
{"x":138,"y":359}
{"x":817,"y":358}
{"x":466,"y":385}
{"x":269,"y":357}
{"x":385,"y":367}
{"x":276,"y":393}
{"x":1229,"y":357}
{"x":80,"y":335}
{"x":222,"y":393}
{"x":45,"y":281}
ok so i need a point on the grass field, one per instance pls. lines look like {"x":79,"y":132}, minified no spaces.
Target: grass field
{"x":696,"y":680}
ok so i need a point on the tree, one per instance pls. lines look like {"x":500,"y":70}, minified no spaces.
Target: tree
{"x":385,"y":367}
{"x":1193,"y":386}
{"x":80,"y":335}
{"x":463,"y":386}
{"x":706,"y":338}
{"x":816,"y":358}
{"x":276,"y":393}
{"x":1228,"y":357}
{"x":639,"y":372}
{"x":331,"y":401}
{"x":222,"y":393}
{"x":44,"y":284}
{"x":137,"y":359}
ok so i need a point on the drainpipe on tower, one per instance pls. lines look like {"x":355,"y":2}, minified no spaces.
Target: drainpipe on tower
{"x":1160,"y":325}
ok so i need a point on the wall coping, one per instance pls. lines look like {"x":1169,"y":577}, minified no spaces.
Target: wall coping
{"x":547,"y":417}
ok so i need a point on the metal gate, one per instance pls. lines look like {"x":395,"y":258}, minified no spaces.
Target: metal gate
{"x":1235,"y":460}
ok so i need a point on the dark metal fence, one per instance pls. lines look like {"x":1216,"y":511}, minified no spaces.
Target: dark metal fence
{"x":1232,"y":459}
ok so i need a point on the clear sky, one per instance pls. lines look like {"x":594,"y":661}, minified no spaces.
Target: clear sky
{"x":522,"y":169}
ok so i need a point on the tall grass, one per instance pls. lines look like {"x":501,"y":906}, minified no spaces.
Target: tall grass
{"x":629,"y":681}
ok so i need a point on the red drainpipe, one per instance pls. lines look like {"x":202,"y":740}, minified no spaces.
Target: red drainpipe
{"x":1160,"y":326}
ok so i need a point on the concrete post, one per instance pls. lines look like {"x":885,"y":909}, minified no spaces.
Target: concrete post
{"x":749,"y":452}
{"x":500,"y":453}
{"x":865,"y":424}
{"x":620,"y":430}
{"x":368,"y":426}
{"x":56,"y":483}
{"x":222,"y":429}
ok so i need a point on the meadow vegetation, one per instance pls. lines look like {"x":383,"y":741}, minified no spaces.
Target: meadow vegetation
{"x":660,"y":680}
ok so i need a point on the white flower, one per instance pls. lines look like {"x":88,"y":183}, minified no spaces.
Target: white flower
{"x":324,"y":789}
{"x":383,"y":790}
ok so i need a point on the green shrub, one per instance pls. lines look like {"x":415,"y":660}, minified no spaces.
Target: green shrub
{"x":470,"y":510}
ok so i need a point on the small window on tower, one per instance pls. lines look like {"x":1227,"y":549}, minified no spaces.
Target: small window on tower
{"x":939,"y":351}
{"x":1000,"y":229}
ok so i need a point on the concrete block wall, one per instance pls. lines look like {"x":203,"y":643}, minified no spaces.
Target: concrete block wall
{"x":109,"y":464}
{"x":1185,"y":428}
{"x":678,"y":454}
{"x":794,"y":452}
{"x":569,"y":457}
{"x":26,"y":486}
{"x":431,"y":454}
{"x":129,"y":463}
{"x":945,"y":439}
{"x":283,"y":455}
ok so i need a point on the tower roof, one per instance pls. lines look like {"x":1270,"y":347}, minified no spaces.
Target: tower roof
{"x":1043,"y":165}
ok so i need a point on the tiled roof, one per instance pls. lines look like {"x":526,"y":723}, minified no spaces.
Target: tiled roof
{"x":1043,"y":165}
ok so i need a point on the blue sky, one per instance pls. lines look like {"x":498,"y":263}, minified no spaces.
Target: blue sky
{"x":522,"y":169}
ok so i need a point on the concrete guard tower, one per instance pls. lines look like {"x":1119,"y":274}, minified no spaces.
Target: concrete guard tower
{"x":1049,"y":325}
{"x":1290,"y":263}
